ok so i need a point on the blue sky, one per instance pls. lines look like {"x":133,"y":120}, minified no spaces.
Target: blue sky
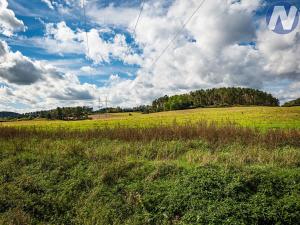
{"x":227,"y":43}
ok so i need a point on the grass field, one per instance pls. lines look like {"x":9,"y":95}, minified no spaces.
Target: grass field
{"x":259,"y":117}
{"x":146,"y":169}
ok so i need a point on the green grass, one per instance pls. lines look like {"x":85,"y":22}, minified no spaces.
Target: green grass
{"x":192,"y":174}
{"x":259,"y":117}
{"x":160,"y":182}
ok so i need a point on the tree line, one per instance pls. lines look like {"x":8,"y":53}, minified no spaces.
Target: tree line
{"x":64,"y":113}
{"x":9,"y":114}
{"x":216,"y":97}
{"x":142,"y":108}
{"x":295,"y":102}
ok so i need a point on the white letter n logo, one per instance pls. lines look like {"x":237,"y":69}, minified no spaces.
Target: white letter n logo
{"x":287,"y":19}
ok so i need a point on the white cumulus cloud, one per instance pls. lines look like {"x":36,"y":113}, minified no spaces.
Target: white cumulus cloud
{"x":37,"y":84}
{"x":9,"y":24}
{"x":225,"y":44}
{"x":48,"y":3}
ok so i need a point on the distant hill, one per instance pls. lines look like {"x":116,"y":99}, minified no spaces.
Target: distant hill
{"x":292,"y":103}
{"x":217,"y":97}
{"x":9,"y":115}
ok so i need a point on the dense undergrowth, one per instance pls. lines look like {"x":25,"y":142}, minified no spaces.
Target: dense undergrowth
{"x":134,"y":176}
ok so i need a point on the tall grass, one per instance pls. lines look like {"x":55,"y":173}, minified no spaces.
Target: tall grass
{"x":212,"y":133}
{"x":188,"y":174}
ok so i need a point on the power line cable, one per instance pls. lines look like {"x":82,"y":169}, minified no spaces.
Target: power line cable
{"x":86,"y":33}
{"x":83,"y":3}
{"x":177,"y":34}
{"x":139,"y":17}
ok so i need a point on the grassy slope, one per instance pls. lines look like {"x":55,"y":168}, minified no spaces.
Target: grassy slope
{"x":260,"y":117}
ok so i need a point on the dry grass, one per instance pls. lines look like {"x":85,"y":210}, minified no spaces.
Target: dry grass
{"x":212,"y":133}
{"x":241,"y":156}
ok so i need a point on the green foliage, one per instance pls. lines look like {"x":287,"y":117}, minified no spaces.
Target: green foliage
{"x":220,"y":97}
{"x":80,"y":181}
{"x":65,"y":113}
{"x":292,"y":103}
{"x":9,"y":115}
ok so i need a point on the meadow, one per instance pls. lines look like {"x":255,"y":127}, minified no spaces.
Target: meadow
{"x":256,"y":117}
{"x":201,"y":166}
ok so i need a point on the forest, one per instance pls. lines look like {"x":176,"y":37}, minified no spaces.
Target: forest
{"x":64,"y":113}
{"x":292,"y":103}
{"x":9,"y":115}
{"x":217,"y":97}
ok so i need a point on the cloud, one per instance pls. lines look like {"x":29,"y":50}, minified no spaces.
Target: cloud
{"x":112,"y":15}
{"x":18,"y":69}
{"x":214,"y":59}
{"x":88,"y":69}
{"x":3,"y":48}
{"x":37,"y":84}
{"x":225,"y":44}
{"x":103,"y":51}
{"x":60,"y":32}
{"x":22,"y":72}
{"x":73,"y":94}
{"x":9,"y":24}
{"x":48,"y":3}
{"x":61,"y":39}
{"x":281,"y":52}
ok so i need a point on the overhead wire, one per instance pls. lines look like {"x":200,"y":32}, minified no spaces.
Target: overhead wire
{"x":137,"y":21}
{"x":177,"y":34}
{"x":139,"y":17}
{"x":83,"y":3}
{"x":136,"y":25}
{"x":85,"y":25}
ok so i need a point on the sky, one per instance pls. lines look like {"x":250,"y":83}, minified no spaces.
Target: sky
{"x":51,"y":55}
